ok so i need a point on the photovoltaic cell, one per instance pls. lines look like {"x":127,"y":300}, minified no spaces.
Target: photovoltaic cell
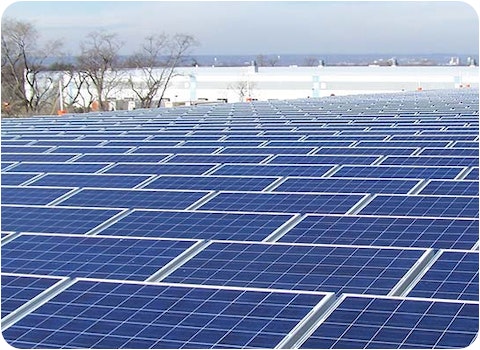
{"x":267,"y":150}
{"x":385,"y":231}
{"x":34,"y":157}
{"x":298,"y":267}
{"x":124,"y":158}
{"x":60,"y":167}
{"x":323,"y":159}
{"x":12,"y":179}
{"x":198,"y":225}
{"x":31,"y":195}
{"x":53,"y":219}
{"x":120,"y":315}
{"x":272,"y":170}
{"x":450,"y":152}
{"x":17,"y":290}
{"x":451,"y":188}
{"x":89,"y":256}
{"x":90,"y":180}
{"x":431,"y":161}
{"x":160,"y":169}
{"x":373,"y":151}
{"x":175,"y":150}
{"x":282,"y":202}
{"x":347,"y":185}
{"x":219,"y":183}
{"x":454,"y":275}
{"x":91,"y":150}
{"x":432,"y":206}
{"x":368,"y":322}
{"x":217,"y":158}
{"x":406,"y":172}
{"x":133,"y":199}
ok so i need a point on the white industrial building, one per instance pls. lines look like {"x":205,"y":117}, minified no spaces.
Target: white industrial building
{"x":233,"y":84}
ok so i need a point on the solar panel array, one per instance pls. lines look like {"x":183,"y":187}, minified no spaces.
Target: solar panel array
{"x":343,"y":222}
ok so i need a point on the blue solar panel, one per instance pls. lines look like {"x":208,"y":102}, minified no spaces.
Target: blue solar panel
{"x":12,"y":179}
{"x":17,"y":290}
{"x":385,"y":231}
{"x":92,"y":150}
{"x":6,"y":164}
{"x":267,"y":150}
{"x":53,"y":219}
{"x":84,"y":256}
{"x":347,"y":185}
{"x":408,"y":143}
{"x":398,"y":172}
{"x":282,"y":202}
{"x":219,"y":183}
{"x":135,"y":143}
{"x":175,"y":150}
{"x":472,"y":175}
{"x":90,"y":180}
{"x":431,"y":161}
{"x":451,"y":188}
{"x":299,"y":267}
{"x":198,"y":225}
{"x":450,"y":152}
{"x":25,"y":149}
{"x":325,"y":143}
{"x":124,"y":158}
{"x":323,"y":159}
{"x":272,"y":170}
{"x":217,"y":158}
{"x":368,"y":322}
{"x":161,"y":169}
{"x":372,"y":151}
{"x":60,"y":167}
{"x":454,"y":275}
{"x":120,"y":315}
{"x":76,"y":143}
{"x":225,"y":143}
{"x":31,"y":195}
{"x":133,"y":199}
{"x":34,"y":157}
{"x":433,"y":206}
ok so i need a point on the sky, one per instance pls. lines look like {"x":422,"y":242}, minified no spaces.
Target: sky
{"x":267,"y":27}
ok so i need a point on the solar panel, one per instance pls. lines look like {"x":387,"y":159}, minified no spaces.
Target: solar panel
{"x":472,"y":175}
{"x":222,"y":183}
{"x":174,"y":169}
{"x":406,"y":172}
{"x":14,"y":178}
{"x":197,"y":225}
{"x":372,"y":151}
{"x":125,"y":315}
{"x":90,"y":180}
{"x":36,"y":157}
{"x":454,"y":275}
{"x":298,"y":267}
{"x":217,"y":158}
{"x":272,"y":170}
{"x":385,"y":231}
{"x":451,"y":188}
{"x":53,"y":219}
{"x":89,"y":256}
{"x":323,"y":159}
{"x":119,"y":198}
{"x":31,"y":195}
{"x":267,"y":150}
{"x":282,"y":202}
{"x":346,"y":185}
{"x":433,"y":206}
{"x":450,"y":152}
{"x":431,"y":161}
{"x":60,"y":167}
{"x":18,"y":290}
{"x":124,"y":158}
{"x":372,"y":322}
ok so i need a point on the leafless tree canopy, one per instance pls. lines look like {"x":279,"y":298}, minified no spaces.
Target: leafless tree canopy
{"x":23,"y":63}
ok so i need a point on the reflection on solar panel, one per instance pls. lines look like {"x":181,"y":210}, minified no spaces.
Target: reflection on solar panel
{"x":96,"y":257}
{"x":368,"y":322}
{"x":385,"y":231}
{"x":340,"y":222}
{"x":454,"y":275}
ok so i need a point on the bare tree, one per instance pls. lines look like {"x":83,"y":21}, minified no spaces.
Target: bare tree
{"x":243,"y":88}
{"x":99,"y":60}
{"x":311,"y":61}
{"x":155,"y":65}
{"x":26,"y":85}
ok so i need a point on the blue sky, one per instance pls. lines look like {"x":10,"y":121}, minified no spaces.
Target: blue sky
{"x":253,"y":27}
